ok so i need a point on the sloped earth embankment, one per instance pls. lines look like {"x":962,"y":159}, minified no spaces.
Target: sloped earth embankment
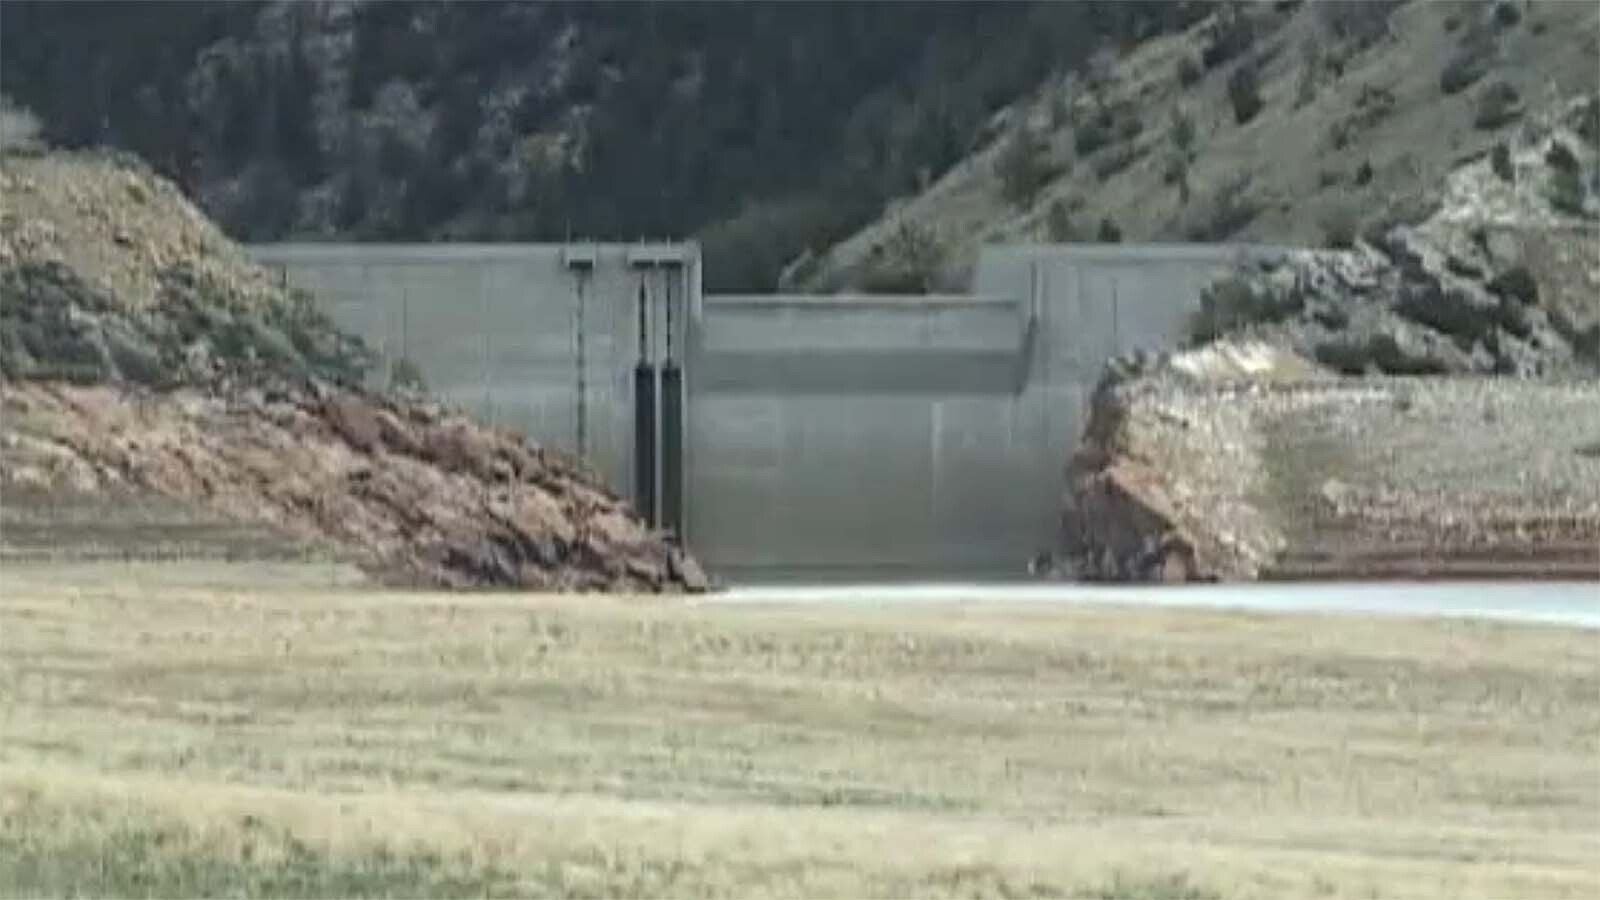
{"x":161,"y":395}
{"x":1181,"y":478}
{"x":416,"y":494}
{"x":1463,"y":438}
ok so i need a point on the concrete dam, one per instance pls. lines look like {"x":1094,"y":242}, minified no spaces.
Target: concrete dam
{"x":780,"y":436}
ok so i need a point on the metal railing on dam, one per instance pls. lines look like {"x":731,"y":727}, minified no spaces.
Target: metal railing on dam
{"x":777,"y":433}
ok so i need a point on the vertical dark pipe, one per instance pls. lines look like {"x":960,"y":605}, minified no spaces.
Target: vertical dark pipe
{"x":672,"y":447}
{"x":644,"y":441}
{"x":644,"y":419}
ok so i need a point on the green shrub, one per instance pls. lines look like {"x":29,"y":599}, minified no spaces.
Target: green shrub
{"x":884,"y":280}
{"x":1468,"y":65}
{"x":1500,"y":163}
{"x":1232,"y":303}
{"x":1116,"y":161}
{"x":1566,"y":192}
{"x":137,"y":359}
{"x":1373,"y":105}
{"x":1231,"y":209}
{"x":1060,"y":111}
{"x":1181,"y":133}
{"x":1361,"y":23}
{"x":1447,"y":313}
{"x":19,"y":129}
{"x":1332,"y":318}
{"x":1498,"y":106}
{"x":1230,"y":34}
{"x":1109,"y":233}
{"x":1561,"y":158}
{"x":1189,"y":71}
{"x":1177,"y":173}
{"x":1588,"y":121}
{"x":1586,"y":344}
{"x":1024,"y":169}
{"x":1305,"y":89}
{"x":1058,"y":223}
{"x":1089,"y":137}
{"x":1339,"y":227}
{"x":1408,"y":210}
{"x":907,"y":264}
{"x":405,"y":375}
{"x":1378,"y":353}
{"x":1244,"y":91}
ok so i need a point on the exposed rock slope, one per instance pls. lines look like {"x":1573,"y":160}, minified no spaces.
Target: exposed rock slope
{"x":1195,"y":467}
{"x":145,"y":357}
{"x":1245,"y":458}
{"x":1502,"y":276}
{"x":1354,"y":110}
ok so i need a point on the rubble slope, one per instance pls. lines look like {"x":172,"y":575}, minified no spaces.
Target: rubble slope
{"x":1463,"y":437}
{"x":1196,"y":470}
{"x":1361,"y":108}
{"x":144,"y":359}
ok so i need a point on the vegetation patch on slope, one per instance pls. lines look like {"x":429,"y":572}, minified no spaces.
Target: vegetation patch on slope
{"x":145,"y":356}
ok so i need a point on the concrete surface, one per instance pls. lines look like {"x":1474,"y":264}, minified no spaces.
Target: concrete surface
{"x":896,"y":436}
{"x":902,"y":437}
{"x":541,"y":338}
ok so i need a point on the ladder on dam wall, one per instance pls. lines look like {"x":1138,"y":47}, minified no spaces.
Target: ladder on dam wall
{"x":777,"y":435}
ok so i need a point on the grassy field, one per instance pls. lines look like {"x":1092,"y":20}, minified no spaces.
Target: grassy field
{"x":186,"y":736}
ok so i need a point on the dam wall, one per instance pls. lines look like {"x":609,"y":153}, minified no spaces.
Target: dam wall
{"x":781,"y":436}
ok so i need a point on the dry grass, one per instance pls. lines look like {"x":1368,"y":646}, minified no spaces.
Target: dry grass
{"x":183,"y":737}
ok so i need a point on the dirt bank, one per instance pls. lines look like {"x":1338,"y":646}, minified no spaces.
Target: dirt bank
{"x":146,"y":359}
{"x":1425,"y":403}
{"x":1197,"y":469}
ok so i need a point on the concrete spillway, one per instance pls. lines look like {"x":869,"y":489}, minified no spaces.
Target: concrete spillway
{"x":891,"y":436}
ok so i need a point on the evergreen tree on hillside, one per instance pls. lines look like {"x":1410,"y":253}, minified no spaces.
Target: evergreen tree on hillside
{"x":769,"y":126}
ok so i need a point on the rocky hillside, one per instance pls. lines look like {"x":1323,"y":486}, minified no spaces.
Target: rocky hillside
{"x":1284,"y":123}
{"x":864,"y":145}
{"x":149,"y":367}
{"x":1241,"y":461}
{"x":763,"y":128}
{"x":1501,"y":277}
{"x":1249,"y":456}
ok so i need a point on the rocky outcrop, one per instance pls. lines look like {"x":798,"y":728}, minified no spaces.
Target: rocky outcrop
{"x":1251,"y":457}
{"x":1502,"y":277}
{"x":1197,"y":468}
{"x":416,"y":494}
{"x":145,"y":357}
{"x":1158,"y":488}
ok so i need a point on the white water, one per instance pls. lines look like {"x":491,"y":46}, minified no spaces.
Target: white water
{"x":1562,"y":603}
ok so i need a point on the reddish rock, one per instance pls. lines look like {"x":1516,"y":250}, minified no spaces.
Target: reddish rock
{"x":354,"y":421}
{"x":469,"y":508}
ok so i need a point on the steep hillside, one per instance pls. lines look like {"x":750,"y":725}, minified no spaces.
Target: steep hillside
{"x":1296,"y":123}
{"x":1247,"y":457}
{"x":1234,"y":462}
{"x":1503,"y":277}
{"x":764,"y":128}
{"x":160,"y":395}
